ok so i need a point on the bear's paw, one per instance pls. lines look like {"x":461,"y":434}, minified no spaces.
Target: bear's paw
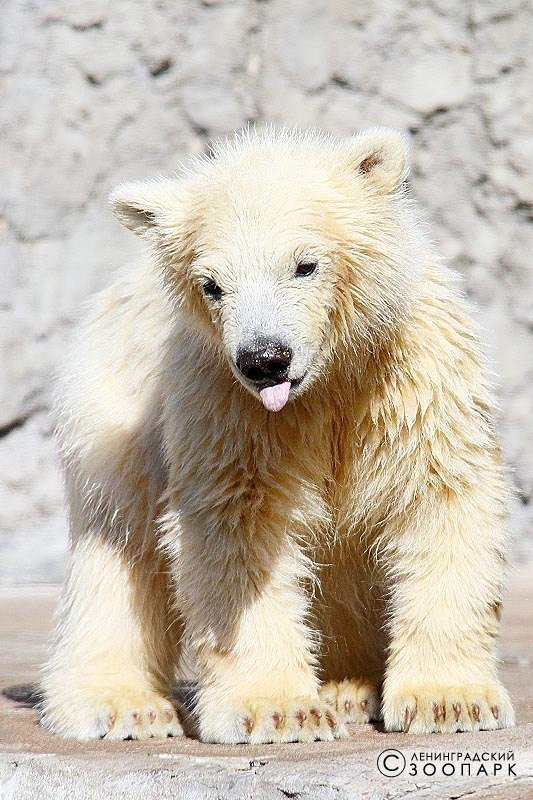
{"x":117,"y":714}
{"x":271,"y":720}
{"x":354,"y":701}
{"x":427,"y":708}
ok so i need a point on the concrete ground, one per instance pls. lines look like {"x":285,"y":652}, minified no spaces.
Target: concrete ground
{"x":35,"y":764}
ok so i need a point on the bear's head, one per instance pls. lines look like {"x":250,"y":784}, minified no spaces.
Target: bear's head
{"x":288,"y":251}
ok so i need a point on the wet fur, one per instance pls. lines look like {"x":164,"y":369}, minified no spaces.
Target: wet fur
{"x":358,"y":534}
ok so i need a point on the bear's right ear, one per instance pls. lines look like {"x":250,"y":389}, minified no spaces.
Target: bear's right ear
{"x":144,"y":206}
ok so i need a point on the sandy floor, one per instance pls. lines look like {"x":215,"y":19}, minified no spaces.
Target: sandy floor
{"x":347,"y":768}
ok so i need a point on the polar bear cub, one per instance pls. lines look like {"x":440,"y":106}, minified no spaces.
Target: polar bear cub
{"x":282,"y":474}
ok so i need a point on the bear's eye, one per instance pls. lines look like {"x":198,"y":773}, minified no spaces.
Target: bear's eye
{"x":306,"y":267}
{"x":212,"y":289}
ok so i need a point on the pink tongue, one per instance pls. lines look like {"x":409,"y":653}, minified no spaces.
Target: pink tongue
{"x":275,"y":397}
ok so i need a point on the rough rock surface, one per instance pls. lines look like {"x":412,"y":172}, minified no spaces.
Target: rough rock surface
{"x":96,"y":92}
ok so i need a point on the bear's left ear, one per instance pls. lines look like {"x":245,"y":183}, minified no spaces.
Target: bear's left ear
{"x":380,"y":158}
{"x":145,"y":206}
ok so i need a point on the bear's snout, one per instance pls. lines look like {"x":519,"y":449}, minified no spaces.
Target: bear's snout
{"x":265,"y":363}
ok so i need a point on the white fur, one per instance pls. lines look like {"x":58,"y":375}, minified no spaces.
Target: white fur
{"x":357,"y":536}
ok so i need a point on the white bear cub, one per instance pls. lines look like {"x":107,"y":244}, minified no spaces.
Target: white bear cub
{"x":282,"y":473}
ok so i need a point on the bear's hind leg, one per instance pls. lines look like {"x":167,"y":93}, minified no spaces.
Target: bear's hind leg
{"x":355,"y":701}
{"x":113,"y":658}
{"x":349,"y":616}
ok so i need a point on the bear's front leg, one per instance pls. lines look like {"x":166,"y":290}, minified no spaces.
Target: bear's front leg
{"x":263,"y":690}
{"x":446,"y":568}
{"x":114,"y":648}
{"x":244,"y":607}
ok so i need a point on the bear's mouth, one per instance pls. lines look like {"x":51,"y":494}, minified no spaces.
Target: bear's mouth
{"x":267,"y":391}
{"x":268,"y":382}
{"x":275,"y":395}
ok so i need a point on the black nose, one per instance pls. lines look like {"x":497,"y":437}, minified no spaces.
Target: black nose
{"x":265,"y":363}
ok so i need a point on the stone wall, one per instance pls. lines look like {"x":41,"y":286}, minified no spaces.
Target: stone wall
{"x":96,"y":92}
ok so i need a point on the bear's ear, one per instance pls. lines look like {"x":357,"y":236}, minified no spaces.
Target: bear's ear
{"x":380,"y":158}
{"x":143,"y":206}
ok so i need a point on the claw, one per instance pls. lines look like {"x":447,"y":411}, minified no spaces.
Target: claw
{"x":111,"y":719}
{"x":136,"y":717}
{"x":169,"y":715}
{"x":301,"y":717}
{"x":248,"y":724}
{"x":408,"y":717}
{"x":151,"y":716}
{"x":438,"y":712}
{"x":364,"y":705}
{"x":495,"y":711}
{"x":316,"y":713}
{"x":348,"y":705}
{"x":278,"y":719}
{"x":475,"y":711}
{"x":330,"y":720}
{"x":457,"y":709}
